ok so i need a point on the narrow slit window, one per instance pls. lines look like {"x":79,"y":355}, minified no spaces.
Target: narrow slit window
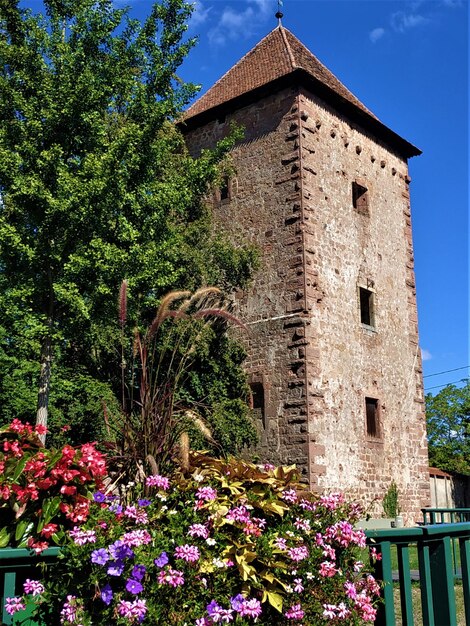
{"x":372,"y":417}
{"x":225,"y":189}
{"x":366,"y":301}
{"x":360,"y":198}
{"x":258,"y":402}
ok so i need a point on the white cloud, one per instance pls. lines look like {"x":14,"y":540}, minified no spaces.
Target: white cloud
{"x":401,"y":21}
{"x":234,"y":24}
{"x":199,"y":15}
{"x":453,"y":4}
{"x":376,"y":34}
{"x":426,"y":355}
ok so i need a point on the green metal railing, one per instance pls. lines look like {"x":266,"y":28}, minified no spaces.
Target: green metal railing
{"x":445,"y":516}
{"x":435,"y":571}
{"x":17,"y":564}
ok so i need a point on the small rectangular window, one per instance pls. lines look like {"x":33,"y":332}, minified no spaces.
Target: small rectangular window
{"x":366,"y":302}
{"x":258,"y":402}
{"x":372,"y":417}
{"x":360,"y":198}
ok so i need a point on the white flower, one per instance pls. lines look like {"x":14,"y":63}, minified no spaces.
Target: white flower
{"x":289,"y":589}
{"x":172,"y":512}
{"x":198,"y":477}
{"x":211,"y":541}
{"x":309,"y":575}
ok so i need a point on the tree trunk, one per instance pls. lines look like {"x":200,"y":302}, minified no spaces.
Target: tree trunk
{"x":44,"y":384}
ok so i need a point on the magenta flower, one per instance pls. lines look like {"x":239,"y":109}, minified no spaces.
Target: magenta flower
{"x":171,"y":577}
{"x":251,"y":608}
{"x":298,"y":554}
{"x":295,"y":612}
{"x":158,"y":481}
{"x":136,"y":538}
{"x":81,"y":537}
{"x":13,"y":605}
{"x":289,"y":495}
{"x":187,"y":553}
{"x":33,"y":587}
{"x":206,"y":493}
{"x":198,"y":530}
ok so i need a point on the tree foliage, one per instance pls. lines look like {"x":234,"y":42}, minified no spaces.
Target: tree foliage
{"x":448,"y":425}
{"x":96,"y":185}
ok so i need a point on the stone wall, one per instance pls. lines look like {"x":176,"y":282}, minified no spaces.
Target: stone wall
{"x":308,"y":352}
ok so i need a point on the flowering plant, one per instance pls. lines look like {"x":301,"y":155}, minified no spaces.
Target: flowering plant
{"x":43,"y":491}
{"x":228,"y":542}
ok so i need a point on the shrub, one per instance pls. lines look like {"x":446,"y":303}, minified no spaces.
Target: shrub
{"x":226,"y":542}
{"x":43,"y":491}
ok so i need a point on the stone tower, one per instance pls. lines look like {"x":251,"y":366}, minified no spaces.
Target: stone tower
{"x":322,"y":187}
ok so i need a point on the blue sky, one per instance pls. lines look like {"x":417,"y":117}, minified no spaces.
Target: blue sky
{"x":408,"y":63}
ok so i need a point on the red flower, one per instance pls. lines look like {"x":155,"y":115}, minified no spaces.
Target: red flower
{"x":49,"y":530}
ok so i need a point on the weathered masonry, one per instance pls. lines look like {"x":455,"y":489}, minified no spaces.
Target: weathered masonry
{"x":322,"y":187}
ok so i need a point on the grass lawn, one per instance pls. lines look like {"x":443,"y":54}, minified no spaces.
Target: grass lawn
{"x":417,"y":614}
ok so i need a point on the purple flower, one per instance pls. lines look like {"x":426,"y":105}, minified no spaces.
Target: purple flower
{"x":237,"y":602}
{"x":116,"y":568}
{"x":107,"y":594}
{"x":119,"y":550}
{"x":144,"y":502}
{"x":115,"y":508}
{"x":213,"y":608}
{"x":100,"y":557}
{"x":138,"y":572}
{"x":99,"y":497}
{"x":162,"y":560}
{"x":133,"y":586}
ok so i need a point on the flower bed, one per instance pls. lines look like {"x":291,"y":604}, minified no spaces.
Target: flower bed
{"x":228,"y":542}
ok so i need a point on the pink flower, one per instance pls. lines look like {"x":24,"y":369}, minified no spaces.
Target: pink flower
{"x":329,"y":611}
{"x":158,"y":481}
{"x":298,"y":554}
{"x":81,"y":537}
{"x":298,"y":587}
{"x":33,"y":587}
{"x":171,"y":577}
{"x":238,"y":514}
{"x":289,"y":495}
{"x":187,"y":553}
{"x":136,"y":538}
{"x":327,"y":569}
{"x":250,"y":608}
{"x":198,"y":530}
{"x":302,"y":524}
{"x":281,"y":543}
{"x":295,"y":612}
{"x":206,"y":493}
{"x":13,"y":605}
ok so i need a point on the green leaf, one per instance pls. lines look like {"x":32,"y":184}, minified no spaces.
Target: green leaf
{"x":4,"y":537}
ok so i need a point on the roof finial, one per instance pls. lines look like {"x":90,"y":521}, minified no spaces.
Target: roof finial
{"x":279,"y":13}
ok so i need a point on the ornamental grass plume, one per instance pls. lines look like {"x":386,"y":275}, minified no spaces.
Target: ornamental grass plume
{"x":152,"y":431}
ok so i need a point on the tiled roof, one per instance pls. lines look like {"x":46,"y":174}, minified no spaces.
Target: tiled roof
{"x":278,"y":54}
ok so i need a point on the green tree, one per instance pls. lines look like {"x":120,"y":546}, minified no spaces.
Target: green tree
{"x":448,"y":425}
{"x":96,"y":185}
